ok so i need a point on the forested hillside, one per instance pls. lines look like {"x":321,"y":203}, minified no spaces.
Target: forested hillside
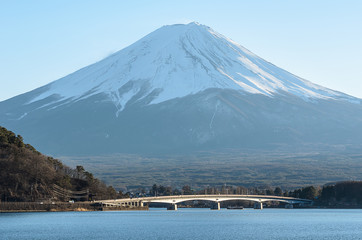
{"x":28,"y":175}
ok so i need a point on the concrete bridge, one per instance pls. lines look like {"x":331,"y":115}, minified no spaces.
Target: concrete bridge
{"x":174,"y":200}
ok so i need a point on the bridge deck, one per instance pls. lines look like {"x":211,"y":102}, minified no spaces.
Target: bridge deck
{"x":214,"y":198}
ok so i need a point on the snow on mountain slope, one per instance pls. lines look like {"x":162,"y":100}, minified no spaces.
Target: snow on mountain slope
{"x":182,"y":88}
{"x":176,"y":61}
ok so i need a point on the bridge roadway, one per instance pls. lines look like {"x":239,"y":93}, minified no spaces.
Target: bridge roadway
{"x":174,"y":200}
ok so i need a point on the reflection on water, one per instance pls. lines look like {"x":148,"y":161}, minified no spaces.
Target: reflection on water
{"x":185,"y":224}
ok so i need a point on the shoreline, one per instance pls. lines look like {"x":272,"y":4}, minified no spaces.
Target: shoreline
{"x":146,"y":208}
{"x":6,"y":207}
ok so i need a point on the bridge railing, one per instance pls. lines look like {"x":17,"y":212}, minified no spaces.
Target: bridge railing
{"x":212,"y":197}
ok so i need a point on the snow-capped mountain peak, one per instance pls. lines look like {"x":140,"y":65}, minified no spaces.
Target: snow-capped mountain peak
{"x":175,"y":61}
{"x":183,"y":88}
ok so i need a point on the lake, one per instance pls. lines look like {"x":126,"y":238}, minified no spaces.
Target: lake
{"x":185,"y":224}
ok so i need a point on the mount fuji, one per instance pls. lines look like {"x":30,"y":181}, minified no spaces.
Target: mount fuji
{"x":182,"y":88}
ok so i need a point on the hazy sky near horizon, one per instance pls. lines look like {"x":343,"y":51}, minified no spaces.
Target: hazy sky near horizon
{"x":42,"y":41}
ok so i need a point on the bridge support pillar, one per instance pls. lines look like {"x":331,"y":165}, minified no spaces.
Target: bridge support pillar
{"x":141,"y":204}
{"x":289,"y":206}
{"x":216,"y":206}
{"x":173,"y":207}
{"x":258,"y":205}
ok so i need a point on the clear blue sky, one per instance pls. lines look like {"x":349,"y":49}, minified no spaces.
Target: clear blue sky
{"x":41,"y":41}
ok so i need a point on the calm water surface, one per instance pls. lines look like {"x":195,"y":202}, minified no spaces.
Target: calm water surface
{"x":185,"y":224}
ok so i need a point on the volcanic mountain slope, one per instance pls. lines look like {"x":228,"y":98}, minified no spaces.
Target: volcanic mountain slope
{"x":182,"y":88}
